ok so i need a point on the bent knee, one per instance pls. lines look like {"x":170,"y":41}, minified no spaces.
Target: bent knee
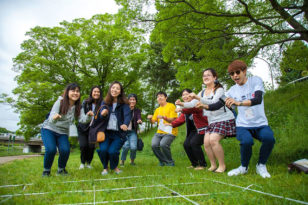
{"x":64,"y":151}
{"x":247,"y":143}
{"x":213,"y":142}
{"x":269,"y":140}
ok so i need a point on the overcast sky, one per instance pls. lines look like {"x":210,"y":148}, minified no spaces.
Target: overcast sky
{"x":18,"y":16}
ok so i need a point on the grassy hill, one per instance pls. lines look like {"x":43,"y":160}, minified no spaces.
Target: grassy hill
{"x":147,"y":183}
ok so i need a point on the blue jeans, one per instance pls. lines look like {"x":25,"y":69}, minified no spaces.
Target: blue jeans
{"x":130,"y":144}
{"x":51,"y":141}
{"x":246,"y":134}
{"x":110,"y":149}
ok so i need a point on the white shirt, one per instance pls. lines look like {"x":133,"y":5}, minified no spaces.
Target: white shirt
{"x":222,"y":114}
{"x":249,"y":116}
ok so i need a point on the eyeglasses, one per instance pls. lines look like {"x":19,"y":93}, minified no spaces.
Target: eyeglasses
{"x":237,"y":72}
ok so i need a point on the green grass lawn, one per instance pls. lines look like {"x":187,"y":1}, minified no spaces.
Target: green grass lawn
{"x":147,"y":183}
{"x":12,"y":150}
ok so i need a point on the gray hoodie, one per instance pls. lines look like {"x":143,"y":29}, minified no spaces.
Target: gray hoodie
{"x":61,"y":125}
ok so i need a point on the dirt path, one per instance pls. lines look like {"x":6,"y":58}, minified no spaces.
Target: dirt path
{"x":11,"y":158}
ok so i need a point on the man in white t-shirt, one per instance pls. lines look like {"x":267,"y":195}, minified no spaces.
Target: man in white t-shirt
{"x":251,"y":121}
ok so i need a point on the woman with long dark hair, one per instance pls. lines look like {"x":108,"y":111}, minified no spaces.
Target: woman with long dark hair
{"x":118,"y":122}
{"x":55,"y":129}
{"x":89,"y":106}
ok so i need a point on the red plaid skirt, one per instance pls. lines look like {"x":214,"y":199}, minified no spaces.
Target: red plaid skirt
{"x":225,"y":128}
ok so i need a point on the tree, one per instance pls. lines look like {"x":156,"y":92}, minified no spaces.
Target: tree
{"x":294,"y":63}
{"x":4,"y":130}
{"x":90,"y":52}
{"x":159,"y":75}
{"x":260,"y":23}
{"x":199,"y":34}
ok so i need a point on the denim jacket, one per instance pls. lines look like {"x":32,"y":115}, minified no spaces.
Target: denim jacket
{"x":123,"y":115}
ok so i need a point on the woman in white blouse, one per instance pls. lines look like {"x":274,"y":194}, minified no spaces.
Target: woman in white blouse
{"x":221,"y":119}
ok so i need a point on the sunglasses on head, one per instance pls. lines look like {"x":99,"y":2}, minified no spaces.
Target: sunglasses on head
{"x":237,"y":72}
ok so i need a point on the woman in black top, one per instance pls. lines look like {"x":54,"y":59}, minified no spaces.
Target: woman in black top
{"x":91,"y":104}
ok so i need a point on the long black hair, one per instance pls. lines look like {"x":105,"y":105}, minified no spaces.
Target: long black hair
{"x":121,"y":98}
{"x":97,"y":102}
{"x":65,"y":103}
{"x":186,"y":90}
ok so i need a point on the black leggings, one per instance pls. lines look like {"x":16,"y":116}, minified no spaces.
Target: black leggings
{"x":193,"y":149}
{"x":86,"y":149}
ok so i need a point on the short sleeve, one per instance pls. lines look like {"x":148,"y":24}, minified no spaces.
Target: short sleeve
{"x":257,"y":84}
{"x":228,"y":94}
{"x":154,"y":118}
{"x":172,"y":112}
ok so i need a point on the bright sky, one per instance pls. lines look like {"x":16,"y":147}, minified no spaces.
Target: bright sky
{"x":18,"y":16}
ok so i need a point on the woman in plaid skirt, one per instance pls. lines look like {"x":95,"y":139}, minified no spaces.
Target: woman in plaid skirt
{"x":221,"y":119}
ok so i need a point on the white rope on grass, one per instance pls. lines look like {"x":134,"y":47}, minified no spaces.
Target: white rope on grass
{"x":77,"y":191}
{"x":14,"y":185}
{"x":181,"y":195}
{"x":99,"y":190}
{"x":260,"y":192}
{"x":148,"y":198}
{"x":94,"y":193}
{"x":85,"y":180}
{"x":4,"y":200}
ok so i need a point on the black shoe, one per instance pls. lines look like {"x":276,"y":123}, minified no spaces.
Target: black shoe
{"x":62,"y":172}
{"x":46,"y":174}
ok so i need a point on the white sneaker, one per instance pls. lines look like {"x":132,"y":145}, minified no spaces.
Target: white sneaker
{"x":262,"y":171}
{"x":81,"y":166}
{"x":104,"y":172}
{"x":88,"y":166}
{"x":238,"y":171}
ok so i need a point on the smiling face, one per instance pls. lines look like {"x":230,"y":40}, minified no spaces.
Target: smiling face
{"x":238,"y":76}
{"x":186,"y":97}
{"x":115,"y":90}
{"x":161,"y":99}
{"x":96,"y":94}
{"x":74,"y":95}
{"x":208,"y":78}
{"x":132,"y":102}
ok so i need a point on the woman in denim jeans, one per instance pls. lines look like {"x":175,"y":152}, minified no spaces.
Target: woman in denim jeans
{"x":55,"y":129}
{"x":116,"y":131}
{"x":131,"y":143}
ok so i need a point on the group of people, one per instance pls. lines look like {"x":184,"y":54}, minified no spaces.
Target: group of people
{"x":115,"y":115}
{"x":209,"y":117}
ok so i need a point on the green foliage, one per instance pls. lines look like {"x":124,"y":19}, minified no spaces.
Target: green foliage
{"x":199,"y":34}
{"x":158,"y":75}
{"x":4,"y":130}
{"x":294,"y":63}
{"x":287,"y":113}
{"x":90,"y":52}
